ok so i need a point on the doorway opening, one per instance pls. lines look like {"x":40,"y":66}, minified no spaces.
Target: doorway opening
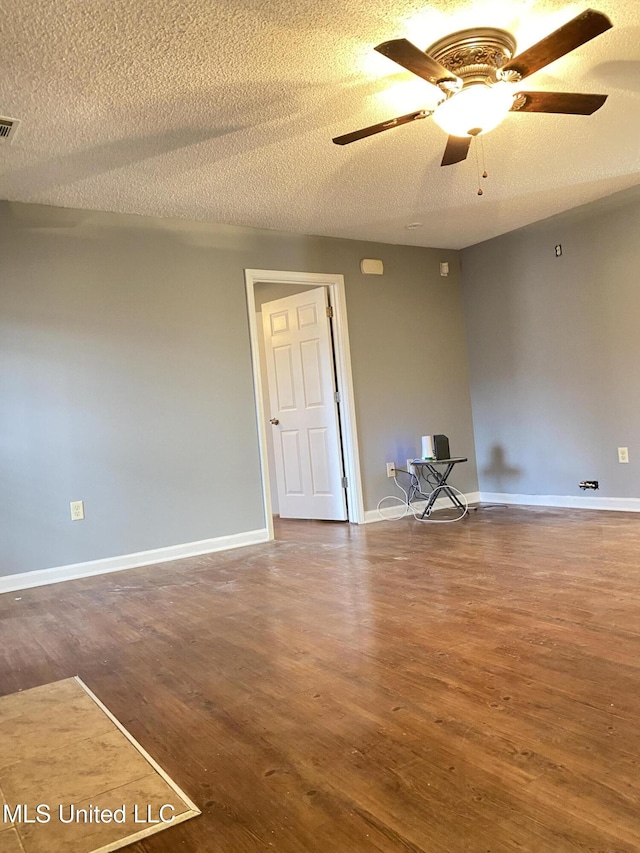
{"x":265,"y":287}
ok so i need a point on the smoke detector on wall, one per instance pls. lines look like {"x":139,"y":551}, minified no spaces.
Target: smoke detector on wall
{"x":8,"y":128}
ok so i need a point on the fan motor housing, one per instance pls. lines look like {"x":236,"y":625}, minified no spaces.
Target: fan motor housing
{"x":475,"y":55}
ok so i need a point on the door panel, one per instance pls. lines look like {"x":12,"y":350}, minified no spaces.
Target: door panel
{"x":311,"y":373}
{"x":301,"y":382}
{"x":290,"y":449}
{"x":320,"y":470}
{"x":307,"y":316}
{"x":280,"y":323}
{"x":285,"y":381}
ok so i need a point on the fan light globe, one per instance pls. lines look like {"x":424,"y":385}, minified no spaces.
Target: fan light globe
{"x":476,"y":109}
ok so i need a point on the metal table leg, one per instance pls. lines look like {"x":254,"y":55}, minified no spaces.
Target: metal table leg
{"x":441,"y":480}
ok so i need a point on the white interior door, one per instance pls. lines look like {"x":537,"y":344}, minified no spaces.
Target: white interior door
{"x":304,"y":413}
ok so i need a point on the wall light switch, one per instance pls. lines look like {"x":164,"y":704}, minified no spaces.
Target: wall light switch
{"x":444,"y":268}
{"x":77,"y":510}
{"x":623,"y":454}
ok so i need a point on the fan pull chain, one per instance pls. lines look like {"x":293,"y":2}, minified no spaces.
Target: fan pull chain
{"x":475,"y":148}
{"x":484,"y":171}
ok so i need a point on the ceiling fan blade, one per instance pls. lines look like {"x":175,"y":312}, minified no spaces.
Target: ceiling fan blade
{"x":568,"y":103}
{"x":415,"y":60}
{"x":378,"y":128}
{"x":579,"y":31}
{"x":456,"y":150}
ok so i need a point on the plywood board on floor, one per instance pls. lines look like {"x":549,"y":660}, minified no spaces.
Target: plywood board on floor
{"x":72,"y":780}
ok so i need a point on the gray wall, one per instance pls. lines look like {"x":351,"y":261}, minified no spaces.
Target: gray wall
{"x":125,"y":375}
{"x":554,"y":349}
{"x":268,"y":291}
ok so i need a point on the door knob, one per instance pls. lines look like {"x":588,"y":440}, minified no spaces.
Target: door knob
{"x":274,"y":421}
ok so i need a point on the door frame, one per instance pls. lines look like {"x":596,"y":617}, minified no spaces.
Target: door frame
{"x":337,"y":299}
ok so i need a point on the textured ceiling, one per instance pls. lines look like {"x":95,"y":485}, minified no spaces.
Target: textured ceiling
{"x":224,"y":111}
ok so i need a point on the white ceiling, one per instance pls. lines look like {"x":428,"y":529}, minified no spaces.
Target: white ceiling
{"x":224,"y":111}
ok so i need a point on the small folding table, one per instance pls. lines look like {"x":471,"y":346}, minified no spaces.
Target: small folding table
{"x":440,"y":476}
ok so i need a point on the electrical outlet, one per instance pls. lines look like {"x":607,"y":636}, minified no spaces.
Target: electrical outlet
{"x":410,"y":466}
{"x":391,"y":469}
{"x":623,"y":454}
{"x":77,"y":510}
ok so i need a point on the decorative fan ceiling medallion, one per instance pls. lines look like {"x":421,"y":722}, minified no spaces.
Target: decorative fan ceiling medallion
{"x":475,"y":55}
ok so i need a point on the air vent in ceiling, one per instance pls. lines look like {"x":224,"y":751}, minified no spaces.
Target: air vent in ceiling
{"x":8,"y":127}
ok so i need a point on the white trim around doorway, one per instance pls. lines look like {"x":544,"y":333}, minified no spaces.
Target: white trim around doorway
{"x":337,"y":298}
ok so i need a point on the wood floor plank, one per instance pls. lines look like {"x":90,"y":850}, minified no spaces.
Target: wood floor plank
{"x":394,"y":687}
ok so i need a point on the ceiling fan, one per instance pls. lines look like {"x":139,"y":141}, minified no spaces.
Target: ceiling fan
{"x":477,"y":74}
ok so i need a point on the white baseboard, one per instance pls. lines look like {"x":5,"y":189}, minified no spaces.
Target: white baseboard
{"x":391,"y":512}
{"x":41,"y":577}
{"x":566,"y":501}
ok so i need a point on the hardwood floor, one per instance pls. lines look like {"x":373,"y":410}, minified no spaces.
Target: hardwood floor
{"x":395,"y":687}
